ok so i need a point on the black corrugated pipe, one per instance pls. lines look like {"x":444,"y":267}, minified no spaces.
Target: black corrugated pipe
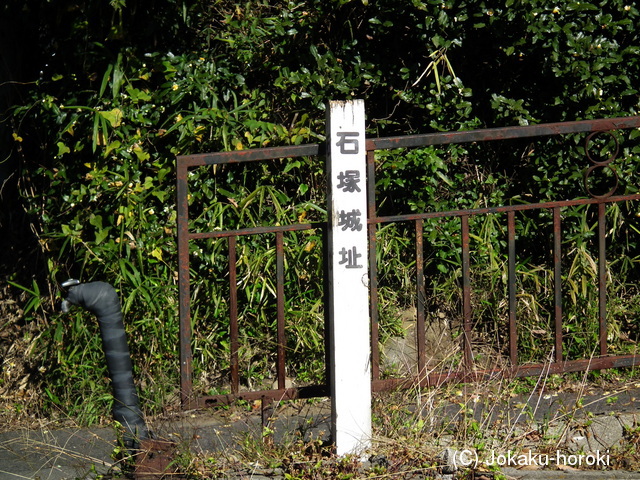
{"x":102,"y":300}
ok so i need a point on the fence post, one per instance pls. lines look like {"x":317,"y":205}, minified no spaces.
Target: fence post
{"x":349,"y":336}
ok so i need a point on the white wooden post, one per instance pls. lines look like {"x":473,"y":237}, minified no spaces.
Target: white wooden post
{"x":349,"y":278}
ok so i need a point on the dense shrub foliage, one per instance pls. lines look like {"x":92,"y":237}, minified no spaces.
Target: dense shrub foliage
{"x":108,"y":94}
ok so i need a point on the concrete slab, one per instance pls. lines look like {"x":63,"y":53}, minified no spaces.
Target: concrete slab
{"x":62,"y":454}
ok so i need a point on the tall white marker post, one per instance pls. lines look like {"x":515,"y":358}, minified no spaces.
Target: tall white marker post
{"x":349,"y":278}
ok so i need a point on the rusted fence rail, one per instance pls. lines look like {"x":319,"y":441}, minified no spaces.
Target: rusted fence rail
{"x":423,"y":376}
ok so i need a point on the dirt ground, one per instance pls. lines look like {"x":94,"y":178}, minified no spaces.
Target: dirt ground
{"x":19,"y":398}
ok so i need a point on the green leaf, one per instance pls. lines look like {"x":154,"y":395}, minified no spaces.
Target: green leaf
{"x":138,"y":95}
{"x":290,"y":165}
{"x":444,"y":178}
{"x":102,"y":234}
{"x":62,"y":149}
{"x":160,"y":194}
{"x":96,"y":221}
{"x":96,"y":133}
{"x":118,"y":77}
{"x":141,"y":154}
{"x":114,"y":116}
{"x":112,"y":146}
{"x":105,"y":80}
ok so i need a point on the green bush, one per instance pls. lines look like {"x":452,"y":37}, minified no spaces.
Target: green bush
{"x":133,"y":85}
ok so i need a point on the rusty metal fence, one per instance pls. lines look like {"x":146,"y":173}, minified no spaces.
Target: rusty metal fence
{"x":424,"y":376}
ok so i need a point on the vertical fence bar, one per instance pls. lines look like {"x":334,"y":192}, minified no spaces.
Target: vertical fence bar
{"x":602,"y":277}
{"x":420,"y":287}
{"x":326,"y":298}
{"x":266,"y":415}
{"x":373,"y":266}
{"x":281,"y":373}
{"x":373,"y":300}
{"x":182,"y":191}
{"x":557,"y":282}
{"x":466,"y":291}
{"x":233,"y":317}
{"x":511,"y":245}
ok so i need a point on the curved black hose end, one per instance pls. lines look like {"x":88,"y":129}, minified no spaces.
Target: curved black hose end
{"x":135,"y":428}
{"x":101,"y":299}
